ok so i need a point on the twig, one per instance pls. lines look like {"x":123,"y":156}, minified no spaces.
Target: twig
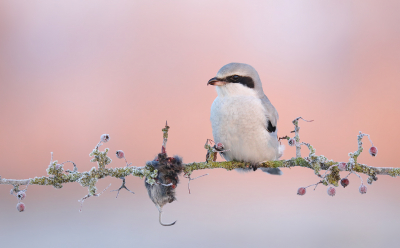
{"x":190,"y":179}
{"x":88,"y":196}
{"x":57,"y":176}
{"x":297,"y":137}
{"x":165,"y":138}
{"x":122,"y":187}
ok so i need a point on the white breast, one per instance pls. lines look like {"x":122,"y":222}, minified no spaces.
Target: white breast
{"x":239,"y":123}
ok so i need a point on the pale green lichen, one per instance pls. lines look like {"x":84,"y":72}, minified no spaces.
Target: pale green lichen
{"x":57,"y":175}
{"x":165,"y":131}
{"x":150,"y":175}
{"x":55,"y":169}
{"x":316,"y":167}
{"x":84,"y":180}
{"x":273,"y":164}
{"x":211,"y":153}
{"x":395,"y":172}
{"x":333,"y":177}
{"x":100,"y":157}
{"x":301,"y":162}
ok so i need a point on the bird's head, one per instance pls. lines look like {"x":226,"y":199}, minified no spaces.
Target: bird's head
{"x":237,"y":79}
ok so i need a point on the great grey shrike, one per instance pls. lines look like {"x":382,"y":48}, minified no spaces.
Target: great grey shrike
{"x":242,"y":117}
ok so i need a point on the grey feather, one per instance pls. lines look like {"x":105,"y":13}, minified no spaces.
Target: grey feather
{"x":272,"y":114}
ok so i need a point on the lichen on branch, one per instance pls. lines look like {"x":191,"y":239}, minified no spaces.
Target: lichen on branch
{"x":57,"y":176}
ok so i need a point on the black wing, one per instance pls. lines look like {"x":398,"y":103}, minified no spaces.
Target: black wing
{"x":270,"y":127}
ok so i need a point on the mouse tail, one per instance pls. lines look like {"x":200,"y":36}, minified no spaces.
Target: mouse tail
{"x":159,"y":219}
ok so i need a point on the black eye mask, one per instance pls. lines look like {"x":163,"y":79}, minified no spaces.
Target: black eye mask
{"x":244,"y":80}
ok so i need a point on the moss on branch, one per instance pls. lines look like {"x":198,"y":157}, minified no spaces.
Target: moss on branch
{"x":57,"y":176}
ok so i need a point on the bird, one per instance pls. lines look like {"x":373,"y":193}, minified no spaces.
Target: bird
{"x":243,"y":119}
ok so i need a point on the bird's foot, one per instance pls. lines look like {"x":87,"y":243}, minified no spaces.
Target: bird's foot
{"x":253,"y":166}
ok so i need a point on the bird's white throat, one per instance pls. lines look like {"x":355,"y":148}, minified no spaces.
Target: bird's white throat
{"x":235,"y":89}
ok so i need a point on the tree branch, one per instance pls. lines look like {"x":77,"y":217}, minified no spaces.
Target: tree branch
{"x":57,"y":176}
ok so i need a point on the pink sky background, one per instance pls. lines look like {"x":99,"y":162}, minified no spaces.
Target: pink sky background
{"x":73,"y":70}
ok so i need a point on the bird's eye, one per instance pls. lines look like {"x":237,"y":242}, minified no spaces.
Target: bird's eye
{"x":235,"y":77}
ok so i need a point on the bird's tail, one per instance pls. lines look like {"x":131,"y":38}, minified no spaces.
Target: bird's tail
{"x":275,"y":171}
{"x":272,"y":171}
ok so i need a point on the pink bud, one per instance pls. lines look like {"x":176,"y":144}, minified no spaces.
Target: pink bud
{"x":21,"y":195}
{"x":219,"y":146}
{"x":104,"y":138}
{"x":292,"y":142}
{"x":20,"y":207}
{"x":120,"y":154}
{"x":58,"y":166}
{"x":373,"y":151}
{"x":344,"y":182}
{"x":362,"y":189}
{"x":301,"y":191}
{"x":331,"y":191}
{"x":342,"y":166}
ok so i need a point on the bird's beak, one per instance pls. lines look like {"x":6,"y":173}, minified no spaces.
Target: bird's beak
{"x":216,"y":82}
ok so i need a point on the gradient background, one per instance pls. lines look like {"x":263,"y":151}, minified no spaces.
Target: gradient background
{"x":73,"y":70}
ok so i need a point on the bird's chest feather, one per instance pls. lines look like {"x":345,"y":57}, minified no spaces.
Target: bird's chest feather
{"x":237,"y":113}
{"x":239,"y":123}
